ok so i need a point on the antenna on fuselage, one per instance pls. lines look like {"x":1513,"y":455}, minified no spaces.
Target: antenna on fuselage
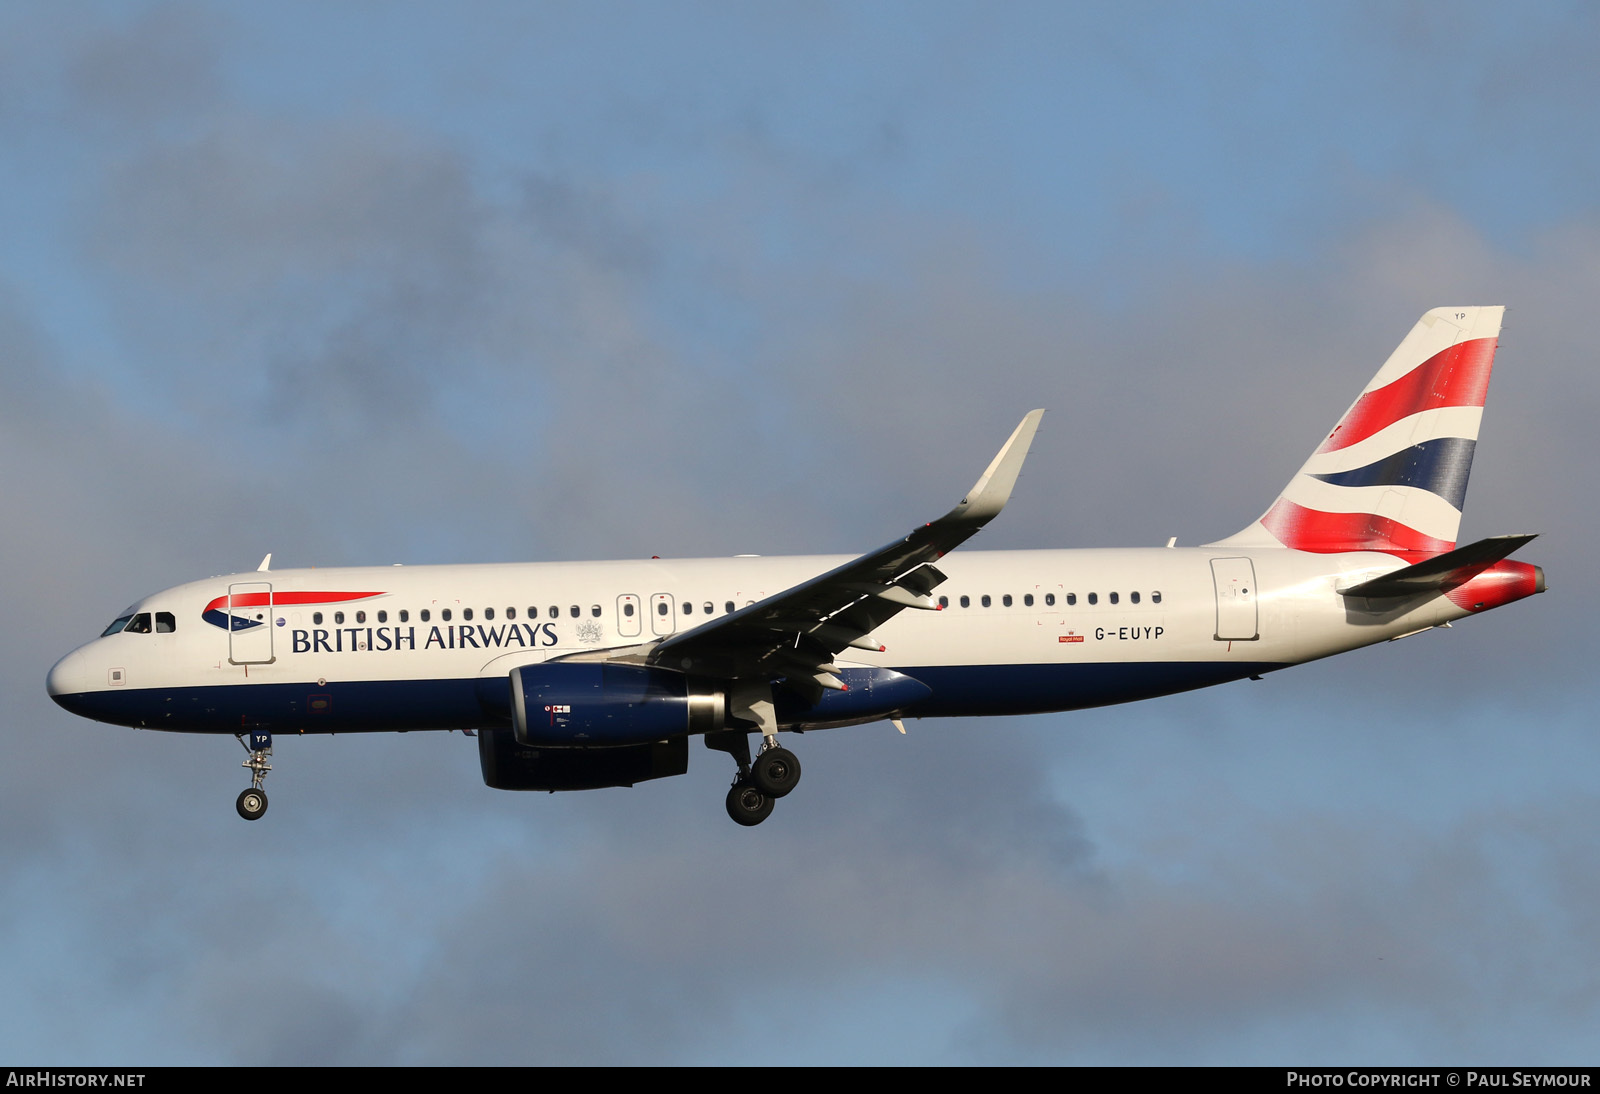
{"x":266,"y":564}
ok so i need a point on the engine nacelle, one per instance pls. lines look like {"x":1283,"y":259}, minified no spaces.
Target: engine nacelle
{"x":585,"y":704}
{"x":508,"y":765}
{"x":873,"y":693}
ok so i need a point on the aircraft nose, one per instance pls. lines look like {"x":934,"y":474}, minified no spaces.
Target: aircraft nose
{"x":69,"y":676}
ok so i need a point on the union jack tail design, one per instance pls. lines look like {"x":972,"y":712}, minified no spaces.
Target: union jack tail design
{"x":1392,"y":475}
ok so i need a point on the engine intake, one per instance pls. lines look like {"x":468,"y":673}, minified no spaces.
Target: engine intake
{"x":586,"y":704}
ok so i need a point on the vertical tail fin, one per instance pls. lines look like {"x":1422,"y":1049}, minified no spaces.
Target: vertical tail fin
{"x":1392,"y":475}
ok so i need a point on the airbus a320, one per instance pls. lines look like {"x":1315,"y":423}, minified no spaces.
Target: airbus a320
{"x":582,"y":675}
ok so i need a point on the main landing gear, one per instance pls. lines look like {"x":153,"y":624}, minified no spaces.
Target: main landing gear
{"x":252,"y":803}
{"x":775,"y":772}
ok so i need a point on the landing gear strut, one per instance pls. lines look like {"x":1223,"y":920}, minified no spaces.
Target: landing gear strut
{"x":759,"y":785}
{"x":252,"y":803}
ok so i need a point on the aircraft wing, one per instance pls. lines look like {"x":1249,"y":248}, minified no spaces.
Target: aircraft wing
{"x":797,"y":632}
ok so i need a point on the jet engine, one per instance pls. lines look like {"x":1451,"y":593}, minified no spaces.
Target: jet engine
{"x":587,"y":724}
{"x":585,"y":704}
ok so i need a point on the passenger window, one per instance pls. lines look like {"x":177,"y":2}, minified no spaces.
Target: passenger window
{"x":405,"y":615}
{"x":316,"y":619}
{"x":1027,"y":600}
{"x":533,"y":613}
{"x":140,"y":624}
{"x":511,"y":613}
{"x":1155,"y":596}
{"x":688,"y":608}
{"x":1049,"y":600}
{"x":383,"y":616}
{"x":661,"y":608}
{"x":488,"y":613}
{"x":466,"y":613}
{"x":728,"y":607}
{"x":1113,"y":598}
{"x":338,"y":617}
{"x":985,"y":600}
{"x":555,"y":611}
{"x":575,"y":611}
{"x":361,"y":617}
{"x":708,"y":608}
{"x":424,"y":615}
{"x":627,"y":610}
{"x":1005,"y":601}
{"x":1134,"y":597}
{"x":594,"y":610}
{"x":444,"y":614}
{"x":165,"y":623}
{"x":966,"y":602}
{"x":944,"y":602}
{"x":1072,"y":600}
{"x":1094,"y":598}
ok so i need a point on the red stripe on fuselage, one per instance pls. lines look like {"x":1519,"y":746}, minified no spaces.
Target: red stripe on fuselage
{"x":1332,"y":533}
{"x":1458,"y":376}
{"x":256,"y":600}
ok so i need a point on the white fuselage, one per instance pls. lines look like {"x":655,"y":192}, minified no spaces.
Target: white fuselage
{"x":1023,"y":631}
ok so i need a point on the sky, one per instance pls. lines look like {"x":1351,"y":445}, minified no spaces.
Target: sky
{"x":365,"y":283}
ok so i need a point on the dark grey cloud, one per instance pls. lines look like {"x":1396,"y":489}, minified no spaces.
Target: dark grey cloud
{"x":161,"y":64}
{"x":307,"y":278}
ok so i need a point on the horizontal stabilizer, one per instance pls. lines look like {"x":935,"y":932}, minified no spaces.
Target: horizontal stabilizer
{"x":1442,"y":571}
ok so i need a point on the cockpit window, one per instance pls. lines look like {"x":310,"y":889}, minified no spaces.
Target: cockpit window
{"x":165,"y":623}
{"x":117,"y":624}
{"x":140,"y":624}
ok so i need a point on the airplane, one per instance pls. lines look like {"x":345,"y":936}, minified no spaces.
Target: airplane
{"x":583,"y":675}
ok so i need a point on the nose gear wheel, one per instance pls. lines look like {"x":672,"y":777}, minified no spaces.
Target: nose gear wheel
{"x":252,"y":803}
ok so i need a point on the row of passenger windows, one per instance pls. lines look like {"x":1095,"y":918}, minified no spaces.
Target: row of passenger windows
{"x":708,"y":608}
{"x":446,"y":615}
{"x":425,"y":615}
{"x":165,"y":623}
{"x":1049,"y":599}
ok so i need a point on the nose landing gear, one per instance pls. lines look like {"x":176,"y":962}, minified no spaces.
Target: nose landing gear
{"x":252,"y":803}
